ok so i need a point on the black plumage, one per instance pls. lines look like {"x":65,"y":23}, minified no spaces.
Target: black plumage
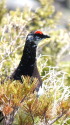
{"x":27,"y":65}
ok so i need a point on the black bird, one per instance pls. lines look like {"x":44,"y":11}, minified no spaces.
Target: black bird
{"x":27,"y":65}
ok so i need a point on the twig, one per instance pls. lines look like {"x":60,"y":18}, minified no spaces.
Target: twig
{"x":15,"y":48}
{"x":32,"y":117}
{"x":16,"y":40}
{"x":63,"y":50}
{"x":56,"y":118}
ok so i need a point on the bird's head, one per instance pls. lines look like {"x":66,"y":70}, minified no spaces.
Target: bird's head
{"x":36,"y":36}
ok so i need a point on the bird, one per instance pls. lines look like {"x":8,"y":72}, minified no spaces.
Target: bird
{"x":28,"y":64}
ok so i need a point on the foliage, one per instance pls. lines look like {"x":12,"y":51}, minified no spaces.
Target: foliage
{"x":20,"y":101}
{"x":2,"y":9}
{"x":31,"y":109}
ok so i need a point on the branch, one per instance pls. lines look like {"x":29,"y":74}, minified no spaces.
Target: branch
{"x":50,"y":123}
{"x":32,"y":117}
{"x":15,"y":48}
{"x":63,"y":50}
{"x":18,"y":36}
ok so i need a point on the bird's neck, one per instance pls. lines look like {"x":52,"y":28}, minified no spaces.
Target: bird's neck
{"x":29,"y":53}
{"x":28,"y":58}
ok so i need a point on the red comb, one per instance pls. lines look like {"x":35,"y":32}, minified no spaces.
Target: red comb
{"x":38,"y":32}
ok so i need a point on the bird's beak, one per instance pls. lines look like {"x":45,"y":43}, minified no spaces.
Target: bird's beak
{"x":46,"y":36}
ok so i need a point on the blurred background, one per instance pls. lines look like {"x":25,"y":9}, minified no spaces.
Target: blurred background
{"x":33,"y":4}
{"x":60,"y":5}
{"x":17,"y":19}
